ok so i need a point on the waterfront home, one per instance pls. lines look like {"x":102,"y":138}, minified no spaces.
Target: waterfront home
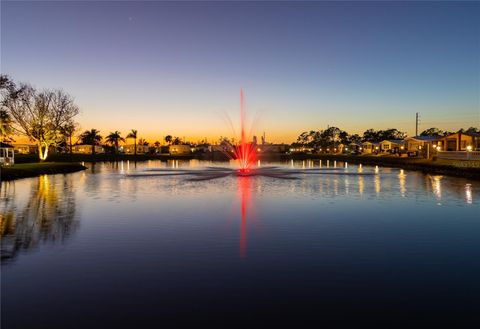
{"x":302,"y":149}
{"x":459,"y":146}
{"x":353,"y":148}
{"x":272,"y":148}
{"x":459,"y":142}
{"x":7,"y":156}
{"x":421,"y":145}
{"x":392,"y":145}
{"x":87,"y":149}
{"x":25,"y":148}
{"x":130,"y":149}
{"x":369,"y":147}
{"x":179,"y":149}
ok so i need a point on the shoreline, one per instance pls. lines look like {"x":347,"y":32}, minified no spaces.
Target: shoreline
{"x":456,"y":168}
{"x":28,"y":170}
{"x":59,"y":164}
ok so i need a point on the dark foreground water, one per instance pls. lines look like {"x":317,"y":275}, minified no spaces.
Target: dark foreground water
{"x":98,"y":250}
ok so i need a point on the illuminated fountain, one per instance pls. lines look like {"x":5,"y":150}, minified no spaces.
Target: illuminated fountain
{"x":245,"y":154}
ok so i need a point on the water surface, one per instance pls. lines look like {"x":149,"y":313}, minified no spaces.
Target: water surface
{"x":98,"y":249}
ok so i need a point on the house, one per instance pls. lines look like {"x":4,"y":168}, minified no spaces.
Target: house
{"x":301,"y":149}
{"x":369,"y":147}
{"x":130,"y":149}
{"x":87,"y":149}
{"x":179,"y":149}
{"x":459,"y":142}
{"x":353,"y":148}
{"x":421,"y":145}
{"x":7,"y":156}
{"x":392,"y":145}
{"x":272,"y":148}
{"x":25,"y":148}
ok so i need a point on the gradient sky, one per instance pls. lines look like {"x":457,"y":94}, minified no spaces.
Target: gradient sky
{"x":177,"y":68}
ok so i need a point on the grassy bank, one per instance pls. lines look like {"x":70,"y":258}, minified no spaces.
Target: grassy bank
{"x":459,"y":168}
{"x":31,"y":158}
{"x":25,"y":170}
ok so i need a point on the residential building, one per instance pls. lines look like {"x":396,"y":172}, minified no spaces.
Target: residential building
{"x":369,"y":147}
{"x":392,"y":145}
{"x":7,"y":155}
{"x":179,"y":149}
{"x":87,"y":149}
{"x":130,"y":149}
{"x":25,"y":148}
{"x":273,"y":148}
{"x":459,"y":142}
{"x":421,"y":145}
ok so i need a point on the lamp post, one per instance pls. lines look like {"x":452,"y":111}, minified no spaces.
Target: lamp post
{"x":469,"y":150}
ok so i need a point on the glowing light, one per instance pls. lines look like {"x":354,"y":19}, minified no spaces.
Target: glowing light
{"x":244,"y":152}
{"x":469,"y":148}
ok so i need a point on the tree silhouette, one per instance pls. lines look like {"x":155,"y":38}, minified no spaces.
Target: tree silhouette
{"x":133,"y":134}
{"x":91,"y":137}
{"x":114,"y":138}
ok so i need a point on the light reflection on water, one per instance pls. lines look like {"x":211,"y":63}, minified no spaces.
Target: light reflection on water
{"x":49,"y":214}
{"x":95,"y":225}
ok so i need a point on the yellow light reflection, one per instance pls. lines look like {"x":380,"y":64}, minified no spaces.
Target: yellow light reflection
{"x":402,"y":182}
{"x":468,"y":193}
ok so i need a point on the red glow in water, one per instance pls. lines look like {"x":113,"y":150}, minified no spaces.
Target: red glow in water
{"x":244,"y":191}
{"x":245,"y":151}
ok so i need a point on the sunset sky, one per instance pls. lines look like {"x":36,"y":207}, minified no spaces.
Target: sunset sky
{"x":177,"y":67}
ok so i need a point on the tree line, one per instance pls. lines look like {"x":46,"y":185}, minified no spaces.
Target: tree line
{"x":334,"y":136}
{"x":47,"y":118}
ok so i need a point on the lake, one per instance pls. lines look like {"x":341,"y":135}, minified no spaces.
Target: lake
{"x":98,"y":249}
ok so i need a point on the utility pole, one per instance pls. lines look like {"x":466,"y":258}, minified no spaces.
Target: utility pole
{"x":416,"y":124}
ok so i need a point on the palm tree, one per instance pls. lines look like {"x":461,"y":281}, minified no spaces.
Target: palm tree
{"x":143,"y":142}
{"x":68,"y":130}
{"x":168,"y":139}
{"x":133,"y":134}
{"x":114,"y":138}
{"x":91,"y":137}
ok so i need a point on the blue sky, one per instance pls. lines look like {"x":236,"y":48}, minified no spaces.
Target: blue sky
{"x":174,"y":68}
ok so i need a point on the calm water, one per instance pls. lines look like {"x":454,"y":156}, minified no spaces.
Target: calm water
{"x":96,"y":249}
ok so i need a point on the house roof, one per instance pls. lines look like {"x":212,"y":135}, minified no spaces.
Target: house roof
{"x":394,"y":141}
{"x":24,"y":145}
{"x":468,"y":134}
{"x":5,"y":145}
{"x":425,"y":138}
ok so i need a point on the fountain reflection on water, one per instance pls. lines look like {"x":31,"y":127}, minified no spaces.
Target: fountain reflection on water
{"x":245,"y":156}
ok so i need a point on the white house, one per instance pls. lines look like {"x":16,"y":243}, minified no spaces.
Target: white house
{"x":87,"y":149}
{"x":130,"y":149}
{"x":25,"y":148}
{"x":369,"y":147}
{"x":179,"y":149}
{"x":421,"y":144}
{"x":392,"y":145}
{"x":7,"y":156}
